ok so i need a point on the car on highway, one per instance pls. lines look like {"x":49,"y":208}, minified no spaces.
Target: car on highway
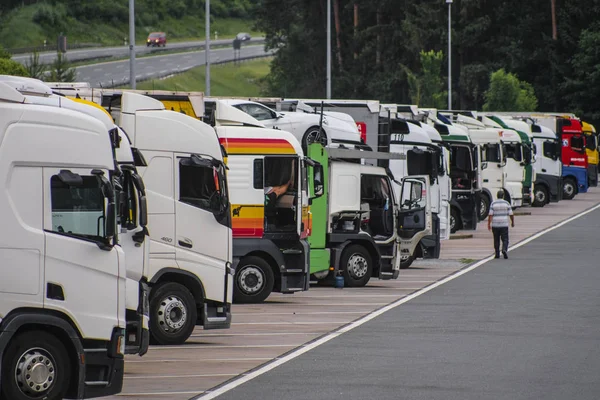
{"x":243,"y":36}
{"x":303,"y":123}
{"x":156,"y":39}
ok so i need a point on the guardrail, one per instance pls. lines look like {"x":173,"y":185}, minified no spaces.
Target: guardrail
{"x":53,"y":47}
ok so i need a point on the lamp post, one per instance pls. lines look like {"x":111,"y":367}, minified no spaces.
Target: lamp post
{"x":132,"y":80}
{"x":449,"y":2}
{"x":207,"y":47}
{"x":328,"y":49}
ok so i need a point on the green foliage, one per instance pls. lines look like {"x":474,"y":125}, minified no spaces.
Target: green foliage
{"x":426,"y":87}
{"x":246,"y":79}
{"x":61,"y":71}
{"x":508,"y":93}
{"x":10,"y":67}
{"x":34,"y":68}
{"x":4,"y":54}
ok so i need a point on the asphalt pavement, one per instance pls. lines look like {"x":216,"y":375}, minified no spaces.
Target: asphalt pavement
{"x":123,"y":51}
{"x":116,"y":73}
{"x":522,"y":328}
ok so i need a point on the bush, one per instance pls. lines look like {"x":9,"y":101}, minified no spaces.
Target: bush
{"x":10,"y":67}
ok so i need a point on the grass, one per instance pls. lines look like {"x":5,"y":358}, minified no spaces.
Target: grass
{"x":246,"y":79}
{"x":106,"y":33}
{"x":467,"y":260}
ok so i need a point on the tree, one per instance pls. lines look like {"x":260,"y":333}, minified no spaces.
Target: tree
{"x":34,"y":68}
{"x":426,"y":88}
{"x":61,"y":70}
{"x":508,"y":93}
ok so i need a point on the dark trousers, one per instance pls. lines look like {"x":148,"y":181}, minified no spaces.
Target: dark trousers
{"x":500,"y":233}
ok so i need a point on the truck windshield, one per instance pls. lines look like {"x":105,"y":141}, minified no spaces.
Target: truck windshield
{"x":591,"y":142}
{"x":551,"y":149}
{"x":78,"y":210}
{"x":513,"y":150}
{"x":491,"y":153}
{"x":420,"y":162}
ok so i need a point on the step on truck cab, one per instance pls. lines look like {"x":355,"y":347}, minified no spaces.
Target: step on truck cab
{"x":190,"y":273}
{"x":268,"y":184}
{"x":591,"y":149}
{"x":358,"y":230}
{"x":422,"y":159}
{"x":63,"y":315}
{"x":463,"y":170}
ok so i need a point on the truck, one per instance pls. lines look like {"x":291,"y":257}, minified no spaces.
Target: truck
{"x":359,"y":231}
{"x":63,"y":315}
{"x":463,"y":171}
{"x":269,"y":189}
{"x":131,"y":211}
{"x":591,"y":149}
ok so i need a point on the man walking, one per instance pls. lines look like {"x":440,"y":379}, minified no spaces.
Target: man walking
{"x":500,"y":211}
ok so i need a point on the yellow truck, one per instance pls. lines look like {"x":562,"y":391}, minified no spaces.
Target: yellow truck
{"x":591,"y":149}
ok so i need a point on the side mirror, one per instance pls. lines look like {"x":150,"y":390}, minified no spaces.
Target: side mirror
{"x":318,"y":180}
{"x":143,"y":211}
{"x":484,"y":165}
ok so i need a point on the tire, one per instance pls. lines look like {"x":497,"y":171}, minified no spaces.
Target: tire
{"x":406,"y":262}
{"x":484,"y":207}
{"x":455,"y":223}
{"x":357,"y":266}
{"x":40,"y":352}
{"x":253,"y":279}
{"x":173,"y":313}
{"x":569,"y":189}
{"x":540,"y":196}
{"x":309,"y":135}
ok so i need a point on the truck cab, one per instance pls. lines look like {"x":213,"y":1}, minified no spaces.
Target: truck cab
{"x":269,"y":189}
{"x":63,"y":314}
{"x":356,"y":221}
{"x":190,"y":274}
{"x":591,"y":149}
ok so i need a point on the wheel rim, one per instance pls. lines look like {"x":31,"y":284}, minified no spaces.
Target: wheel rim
{"x":404,"y":257}
{"x":482,"y":207}
{"x":452,"y":222}
{"x":310,"y":138}
{"x":357,"y":266}
{"x":35,"y":372}
{"x":172,"y":314}
{"x":251,"y":280}
{"x":569,"y":189}
{"x":540,"y":196}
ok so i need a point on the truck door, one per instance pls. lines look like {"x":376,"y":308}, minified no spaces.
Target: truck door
{"x":202,"y":221}
{"x":414,"y":215}
{"x":79,"y":264}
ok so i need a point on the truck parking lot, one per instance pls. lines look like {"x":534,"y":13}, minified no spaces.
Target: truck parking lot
{"x":261,"y":333}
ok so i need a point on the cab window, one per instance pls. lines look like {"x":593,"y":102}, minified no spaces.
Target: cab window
{"x":198,"y":186}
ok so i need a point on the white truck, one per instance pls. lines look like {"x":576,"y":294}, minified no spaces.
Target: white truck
{"x":63,"y":315}
{"x":131,"y":209}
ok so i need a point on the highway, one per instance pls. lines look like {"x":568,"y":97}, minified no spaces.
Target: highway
{"x":115,"y":73}
{"x":123,"y":51}
{"x":522,"y":328}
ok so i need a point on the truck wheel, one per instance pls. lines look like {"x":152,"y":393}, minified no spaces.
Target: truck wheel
{"x":455,"y":224}
{"x":540,"y":196}
{"x":357,"y":265}
{"x":569,"y":189}
{"x":36,"y":365}
{"x":310,"y":137}
{"x":254,"y":280}
{"x":406,"y":261}
{"x":484,"y":206}
{"x":173,"y":313}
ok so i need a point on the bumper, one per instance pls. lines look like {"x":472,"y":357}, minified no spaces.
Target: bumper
{"x":555,"y":183}
{"x":216,"y":316}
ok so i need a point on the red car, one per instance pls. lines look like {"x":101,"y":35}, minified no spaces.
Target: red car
{"x":156,"y":39}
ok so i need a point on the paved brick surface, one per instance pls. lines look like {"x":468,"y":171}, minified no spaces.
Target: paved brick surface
{"x":260,"y":333}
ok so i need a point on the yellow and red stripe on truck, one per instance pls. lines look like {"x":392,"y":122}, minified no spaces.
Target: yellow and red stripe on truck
{"x":257,"y":146}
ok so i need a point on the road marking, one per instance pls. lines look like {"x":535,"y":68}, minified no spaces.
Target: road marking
{"x":158,"y":393}
{"x":234,"y":346}
{"x":256,"y":334}
{"x":97,"y":69}
{"x":178,"y":376}
{"x":329,"y":304}
{"x":164,"y":71}
{"x":291,"y":323}
{"x":198,"y":360}
{"x":301,"y":313}
{"x":366,"y":296}
{"x":120,"y":66}
{"x":347,"y":328}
